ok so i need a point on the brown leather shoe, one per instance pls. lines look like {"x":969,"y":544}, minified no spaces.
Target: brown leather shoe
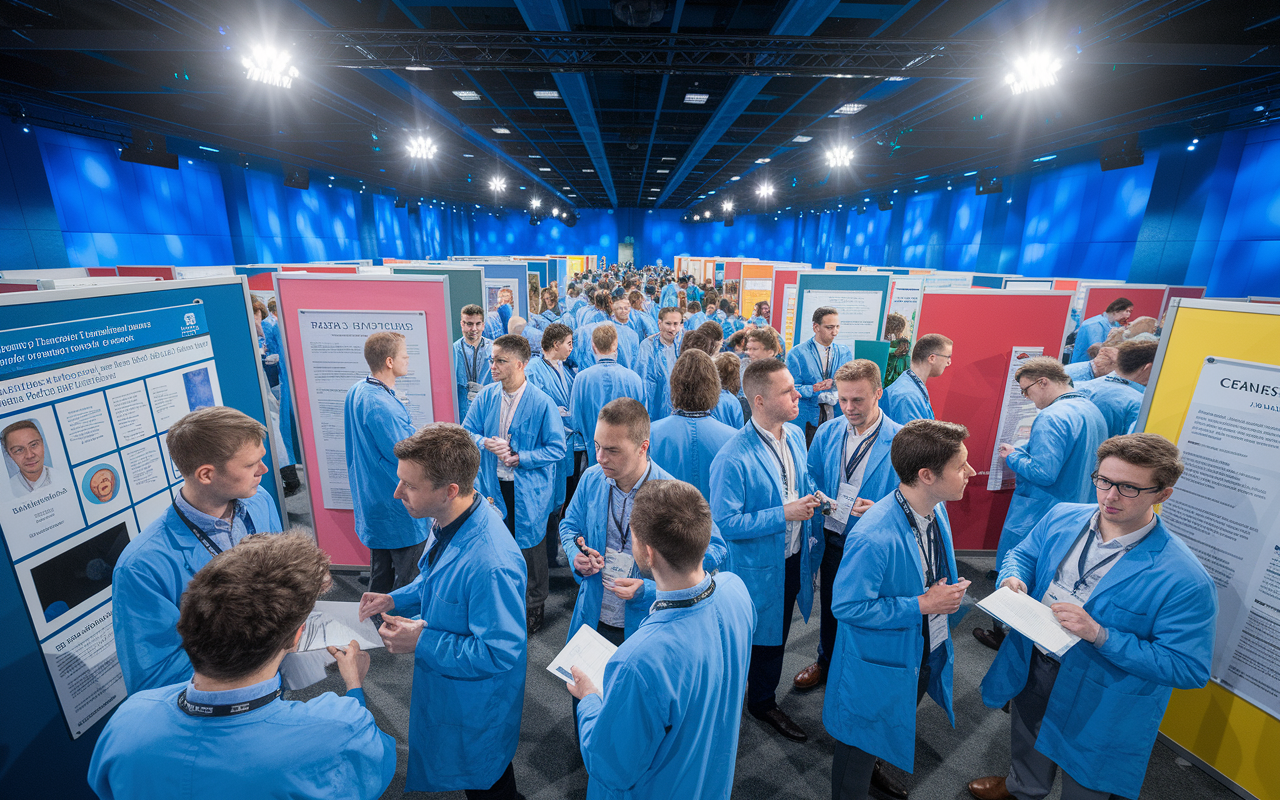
{"x":811,"y":676}
{"x":991,"y":638}
{"x":989,"y":788}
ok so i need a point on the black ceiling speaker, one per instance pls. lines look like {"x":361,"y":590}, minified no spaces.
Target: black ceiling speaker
{"x":1121,"y":153}
{"x":638,"y":13}
{"x":148,"y":148}
{"x":299,"y":178}
{"x":728,"y":221}
{"x":884,"y":204}
{"x":989,"y":185}
{"x":401,"y":203}
{"x":570,"y":219}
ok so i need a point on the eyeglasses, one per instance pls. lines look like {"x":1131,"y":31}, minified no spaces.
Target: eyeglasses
{"x":1125,"y":489}
{"x":1027,"y":388}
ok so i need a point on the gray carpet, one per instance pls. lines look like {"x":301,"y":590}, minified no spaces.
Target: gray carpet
{"x":547,"y":763}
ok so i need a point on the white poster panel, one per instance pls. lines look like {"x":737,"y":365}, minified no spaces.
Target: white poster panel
{"x":502,"y":290}
{"x":904,"y":299}
{"x":332,"y":350}
{"x":1226,"y":507}
{"x":943,"y":280}
{"x":1017,"y":413}
{"x":859,"y":312}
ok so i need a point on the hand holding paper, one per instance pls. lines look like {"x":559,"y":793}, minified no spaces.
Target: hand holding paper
{"x":586,"y":653}
{"x":1030,"y":618}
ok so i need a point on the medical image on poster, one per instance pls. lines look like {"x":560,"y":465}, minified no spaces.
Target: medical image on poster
{"x":68,"y":579}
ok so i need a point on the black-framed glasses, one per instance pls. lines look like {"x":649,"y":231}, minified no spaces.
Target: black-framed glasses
{"x":1125,"y":489}
{"x":1027,"y":388}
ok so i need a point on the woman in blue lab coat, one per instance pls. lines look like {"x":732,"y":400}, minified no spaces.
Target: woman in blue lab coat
{"x":550,"y":374}
{"x":686,"y":442}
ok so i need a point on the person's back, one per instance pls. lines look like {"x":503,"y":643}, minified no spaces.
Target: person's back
{"x":594,"y":387}
{"x":1118,"y":399}
{"x":685,"y":446}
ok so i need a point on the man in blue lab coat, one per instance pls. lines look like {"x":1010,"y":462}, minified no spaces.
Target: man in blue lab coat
{"x":520,"y":434}
{"x":729,"y":407}
{"x":814,"y":364}
{"x":469,"y":643}
{"x":596,"y":385}
{"x":642,"y":322}
{"x":628,"y":354}
{"x":895,"y":591}
{"x":218,"y":451}
{"x":907,"y":398}
{"x":375,"y":420}
{"x":551,"y":374}
{"x":762,"y":501}
{"x":696,"y":316}
{"x":471,"y":358}
{"x":551,"y":313}
{"x":274,"y":346}
{"x":1094,"y":330}
{"x":1145,"y":610}
{"x":686,"y":443}
{"x":225,"y":732}
{"x":1055,"y":464}
{"x":1100,"y":364}
{"x":657,"y":358}
{"x":1118,"y":395}
{"x":669,"y":726}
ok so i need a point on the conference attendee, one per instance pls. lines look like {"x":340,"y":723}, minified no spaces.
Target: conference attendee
{"x":517,"y":325}
{"x":657,"y":357}
{"x":471,"y":358}
{"x":281,"y":455}
{"x":895,"y":332}
{"x":495,"y":322}
{"x":908,"y":397}
{"x":273,"y":346}
{"x":598,"y":308}
{"x":596,"y":385}
{"x":226,"y":732}
{"x":1095,"y":329}
{"x":624,"y":315}
{"x":715,"y":337}
{"x":762,"y":501}
{"x":760,"y":317}
{"x":574,"y":299}
{"x":667,"y":724}
{"x":849,"y":463}
{"x":628,"y":343}
{"x":520,"y":434}
{"x":685,"y":443}
{"x":1102,"y":362}
{"x":696,"y":316}
{"x":374,"y":420}
{"x":730,"y":409}
{"x":733,"y":321}
{"x":613,"y":596}
{"x":1139,"y":326}
{"x":468,"y":639}
{"x":667,"y":298}
{"x":24,"y":444}
{"x":1118,"y":395}
{"x":549,"y":373}
{"x":760,"y":344}
{"x":218,"y":452}
{"x":1145,"y":610}
{"x":1055,"y":464}
{"x":814,"y":366}
{"x":639,"y":319}
{"x":897,"y":586}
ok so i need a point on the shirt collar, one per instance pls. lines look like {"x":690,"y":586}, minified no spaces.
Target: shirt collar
{"x":1122,"y":542}
{"x":686,"y":594}
{"x":643,"y":477}
{"x":242,"y":694}
{"x":207,"y":523}
{"x":769,"y":436}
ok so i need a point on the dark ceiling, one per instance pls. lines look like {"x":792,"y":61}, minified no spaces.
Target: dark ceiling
{"x":927,"y":78}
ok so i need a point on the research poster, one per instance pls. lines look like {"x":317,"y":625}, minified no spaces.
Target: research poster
{"x":1226,"y":507}
{"x":859,"y":312}
{"x":502,"y":290}
{"x":788,"y":310}
{"x":904,"y":299}
{"x":1017,"y":413}
{"x":84,"y":409}
{"x":942,"y":280}
{"x":332,"y":351}
{"x":756,"y":290}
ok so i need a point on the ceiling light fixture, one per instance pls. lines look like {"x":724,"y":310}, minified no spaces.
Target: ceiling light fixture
{"x":497,"y":184}
{"x":763,"y":160}
{"x":544,"y":169}
{"x":802,"y":139}
{"x":727,"y":205}
{"x":1034,"y":72}
{"x":546,"y":94}
{"x":841,"y":156}
{"x":535,"y":203}
{"x":850,"y":108}
{"x":418,"y":68}
{"x":736,"y":178}
{"x":422,"y":148}
{"x":695,"y":99}
{"x":466,"y":94}
{"x":765,"y":190}
{"x":501,"y":130}
{"x":270,"y":66}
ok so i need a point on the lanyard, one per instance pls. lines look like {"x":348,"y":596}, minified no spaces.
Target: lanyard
{"x":474,"y":369}
{"x":692,"y":414}
{"x":377,"y":382}
{"x":1083,"y":578}
{"x":860,"y":452}
{"x":663,"y":605}
{"x":208,"y":543}
{"x":932,"y":553}
{"x":918,"y":382}
{"x":1117,"y":379}
{"x":781,"y":463}
{"x":826,"y":365}
{"x":194,"y":709}
{"x":624,"y":531}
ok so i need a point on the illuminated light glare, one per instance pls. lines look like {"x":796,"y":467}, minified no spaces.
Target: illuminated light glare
{"x":546,"y":94}
{"x":555,"y":211}
{"x":695,"y":99}
{"x":727,"y":205}
{"x":210,"y":149}
{"x":418,"y":68}
{"x":663,"y":171}
{"x":763,"y":160}
{"x":420,"y":147}
{"x":850,"y":108}
{"x":544,"y":169}
{"x":969,"y":174}
{"x":1191,"y":147}
{"x":535,"y":203}
{"x":765,"y":190}
{"x":1032,"y":73}
{"x":1044,"y":158}
{"x":1195,"y":141}
{"x":466,"y":94}
{"x":468,"y":155}
{"x":501,"y":130}
{"x":841,"y":156}
{"x":696,"y":217}
{"x":498,"y":184}
{"x":270,"y":66}
{"x":588,"y":170}
{"x":736,"y":178}
{"x":802,"y":139}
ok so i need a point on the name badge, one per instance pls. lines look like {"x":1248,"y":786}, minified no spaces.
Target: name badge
{"x":938,"y":631}
{"x":617,"y":565}
{"x":839,"y":518}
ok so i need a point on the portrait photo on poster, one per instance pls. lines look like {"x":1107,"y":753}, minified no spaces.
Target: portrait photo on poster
{"x":28,"y":462}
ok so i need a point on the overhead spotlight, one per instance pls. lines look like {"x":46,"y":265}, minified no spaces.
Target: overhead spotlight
{"x":765,"y":190}
{"x":422,"y":148}
{"x":697,"y":217}
{"x":269,"y":66}
{"x":497,"y":184}
{"x":841,"y":156}
{"x":555,"y":211}
{"x":1034,"y":72}
{"x":727,"y":206}
{"x":570,"y":218}
{"x":535,"y":202}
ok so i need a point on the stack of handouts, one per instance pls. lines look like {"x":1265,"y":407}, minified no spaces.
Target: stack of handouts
{"x":1031,"y":618}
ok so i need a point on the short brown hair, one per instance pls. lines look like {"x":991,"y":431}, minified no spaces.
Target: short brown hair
{"x":767,"y":337}
{"x":859,"y":369}
{"x":729,"y":366}
{"x":673,"y":518}
{"x":695,"y":382}
{"x":604,"y":338}
{"x":271,"y":304}
{"x":713,"y":331}
{"x":22,"y":424}
{"x":738,"y":339}
{"x":513,"y":344}
{"x":694,"y":307}
{"x":1038,"y":367}
{"x":211,"y":435}
{"x":637,"y":299}
{"x":1145,"y":450}
{"x":379,"y":347}
{"x":929,"y":344}
{"x":1133,"y":356}
{"x":925,"y":444}
{"x":555,"y":333}
{"x":757,"y":376}
{"x":471,"y":310}
{"x":822,"y":312}
{"x":260,"y":309}
{"x":665,"y":310}
{"x":445,"y":453}
{"x":626,"y":412}
{"x":245,"y":606}
{"x":895,"y":325}
{"x":1119,"y":304}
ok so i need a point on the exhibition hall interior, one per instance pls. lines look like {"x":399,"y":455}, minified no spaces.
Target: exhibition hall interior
{"x":278,"y":266}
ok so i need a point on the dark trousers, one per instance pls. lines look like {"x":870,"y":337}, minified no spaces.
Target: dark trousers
{"x":503,"y":789}
{"x":553,"y":521}
{"x":831,"y":557}
{"x":851,"y":767}
{"x":809,"y":431}
{"x":765,"y":669}
{"x":393,"y":568}
{"x":535,"y":556}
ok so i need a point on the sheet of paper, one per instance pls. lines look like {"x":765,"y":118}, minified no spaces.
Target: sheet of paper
{"x":334,"y":623}
{"x":1030,"y":618}
{"x":586,"y":650}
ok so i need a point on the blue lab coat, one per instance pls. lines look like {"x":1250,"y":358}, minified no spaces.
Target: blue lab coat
{"x":686,"y":446}
{"x":1080,"y":371}
{"x":594,"y":387}
{"x":275,"y":346}
{"x":558,"y":386}
{"x":654,"y":370}
{"x":732,"y":325}
{"x":537,"y":324}
{"x":670,"y":296}
{"x":871,"y":688}
{"x":746,"y":503}
{"x":469,"y":666}
{"x":328,"y":747}
{"x":675,"y":689}
{"x":146,"y":586}
{"x":463,"y":358}
{"x":805,"y":364}
{"x":758,"y":321}
{"x":587,"y":315}
{"x":1118,"y":399}
{"x":576,"y":303}
{"x":1092,"y":331}
{"x":641,"y":324}
{"x":904,"y":401}
{"x":728,"y":410}
{"x":826,"y":463}
{"x":587,"y":516}
{"x":694,"y":320}
{"x":537,"y":434}
{"x":628,"y":345}
{"x":375,"y":420}
{"x":494,"y":323}
{"x":1159,"y":607}
{"x":1054,"y":465}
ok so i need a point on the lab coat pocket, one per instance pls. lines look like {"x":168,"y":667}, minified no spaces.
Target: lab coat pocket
{"x":1136,"y":622}
{"x":448,"y":615}
{"x":870,"y":699}
{"x":1115,"y":722}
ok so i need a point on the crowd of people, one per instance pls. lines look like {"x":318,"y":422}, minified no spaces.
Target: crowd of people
{"x":698,"y":481}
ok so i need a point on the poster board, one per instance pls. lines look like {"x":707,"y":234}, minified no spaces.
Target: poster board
{"x":971,"y":390}
{"x":904,"y":299}
{"x":466,"y":286}
{"x":506,"y":276}
{"x":862,"y":299}
{"x":980,"y":280}
{"x":163,"y":366}
{"x":1029,"y":284}
{"x":782,"y":278}
{"x":1230,"y":737}
{"x":756,"y":286}
{"x":8,"y":285}
{"x":1183,"y":292}
{"x":187,"y":273}
{"x":164,"y":273}
{"x":321,"y":269}
{"x":82,"y":283}
{"x":357,"y":294}
{"x":58,"y":272}
{"x":1148,"y":299}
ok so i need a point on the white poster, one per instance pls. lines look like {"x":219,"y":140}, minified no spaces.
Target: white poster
{"x":859,"y":312}
{"x":904,"y":299}
{"x":502,"y":290}
{"x":788,"y":311}
{"x":943,"y":280}
{"x":332,"y":350}
{"x":1226,"y":507}
{"x":1029,"y":284}
{"x":1017,"y":413}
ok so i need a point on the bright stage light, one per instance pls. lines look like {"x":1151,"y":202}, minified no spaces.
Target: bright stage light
{"x":498,"y":184}
{"x":841,"y":156}
{"x":697,"y":217}
{"x":270,"y":66}
{"x":535,"y":202}
{"x":727,"y":205}
{"x":1033,"y":72}
{"x":422,"y":148}
{"x":765,"y":190}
